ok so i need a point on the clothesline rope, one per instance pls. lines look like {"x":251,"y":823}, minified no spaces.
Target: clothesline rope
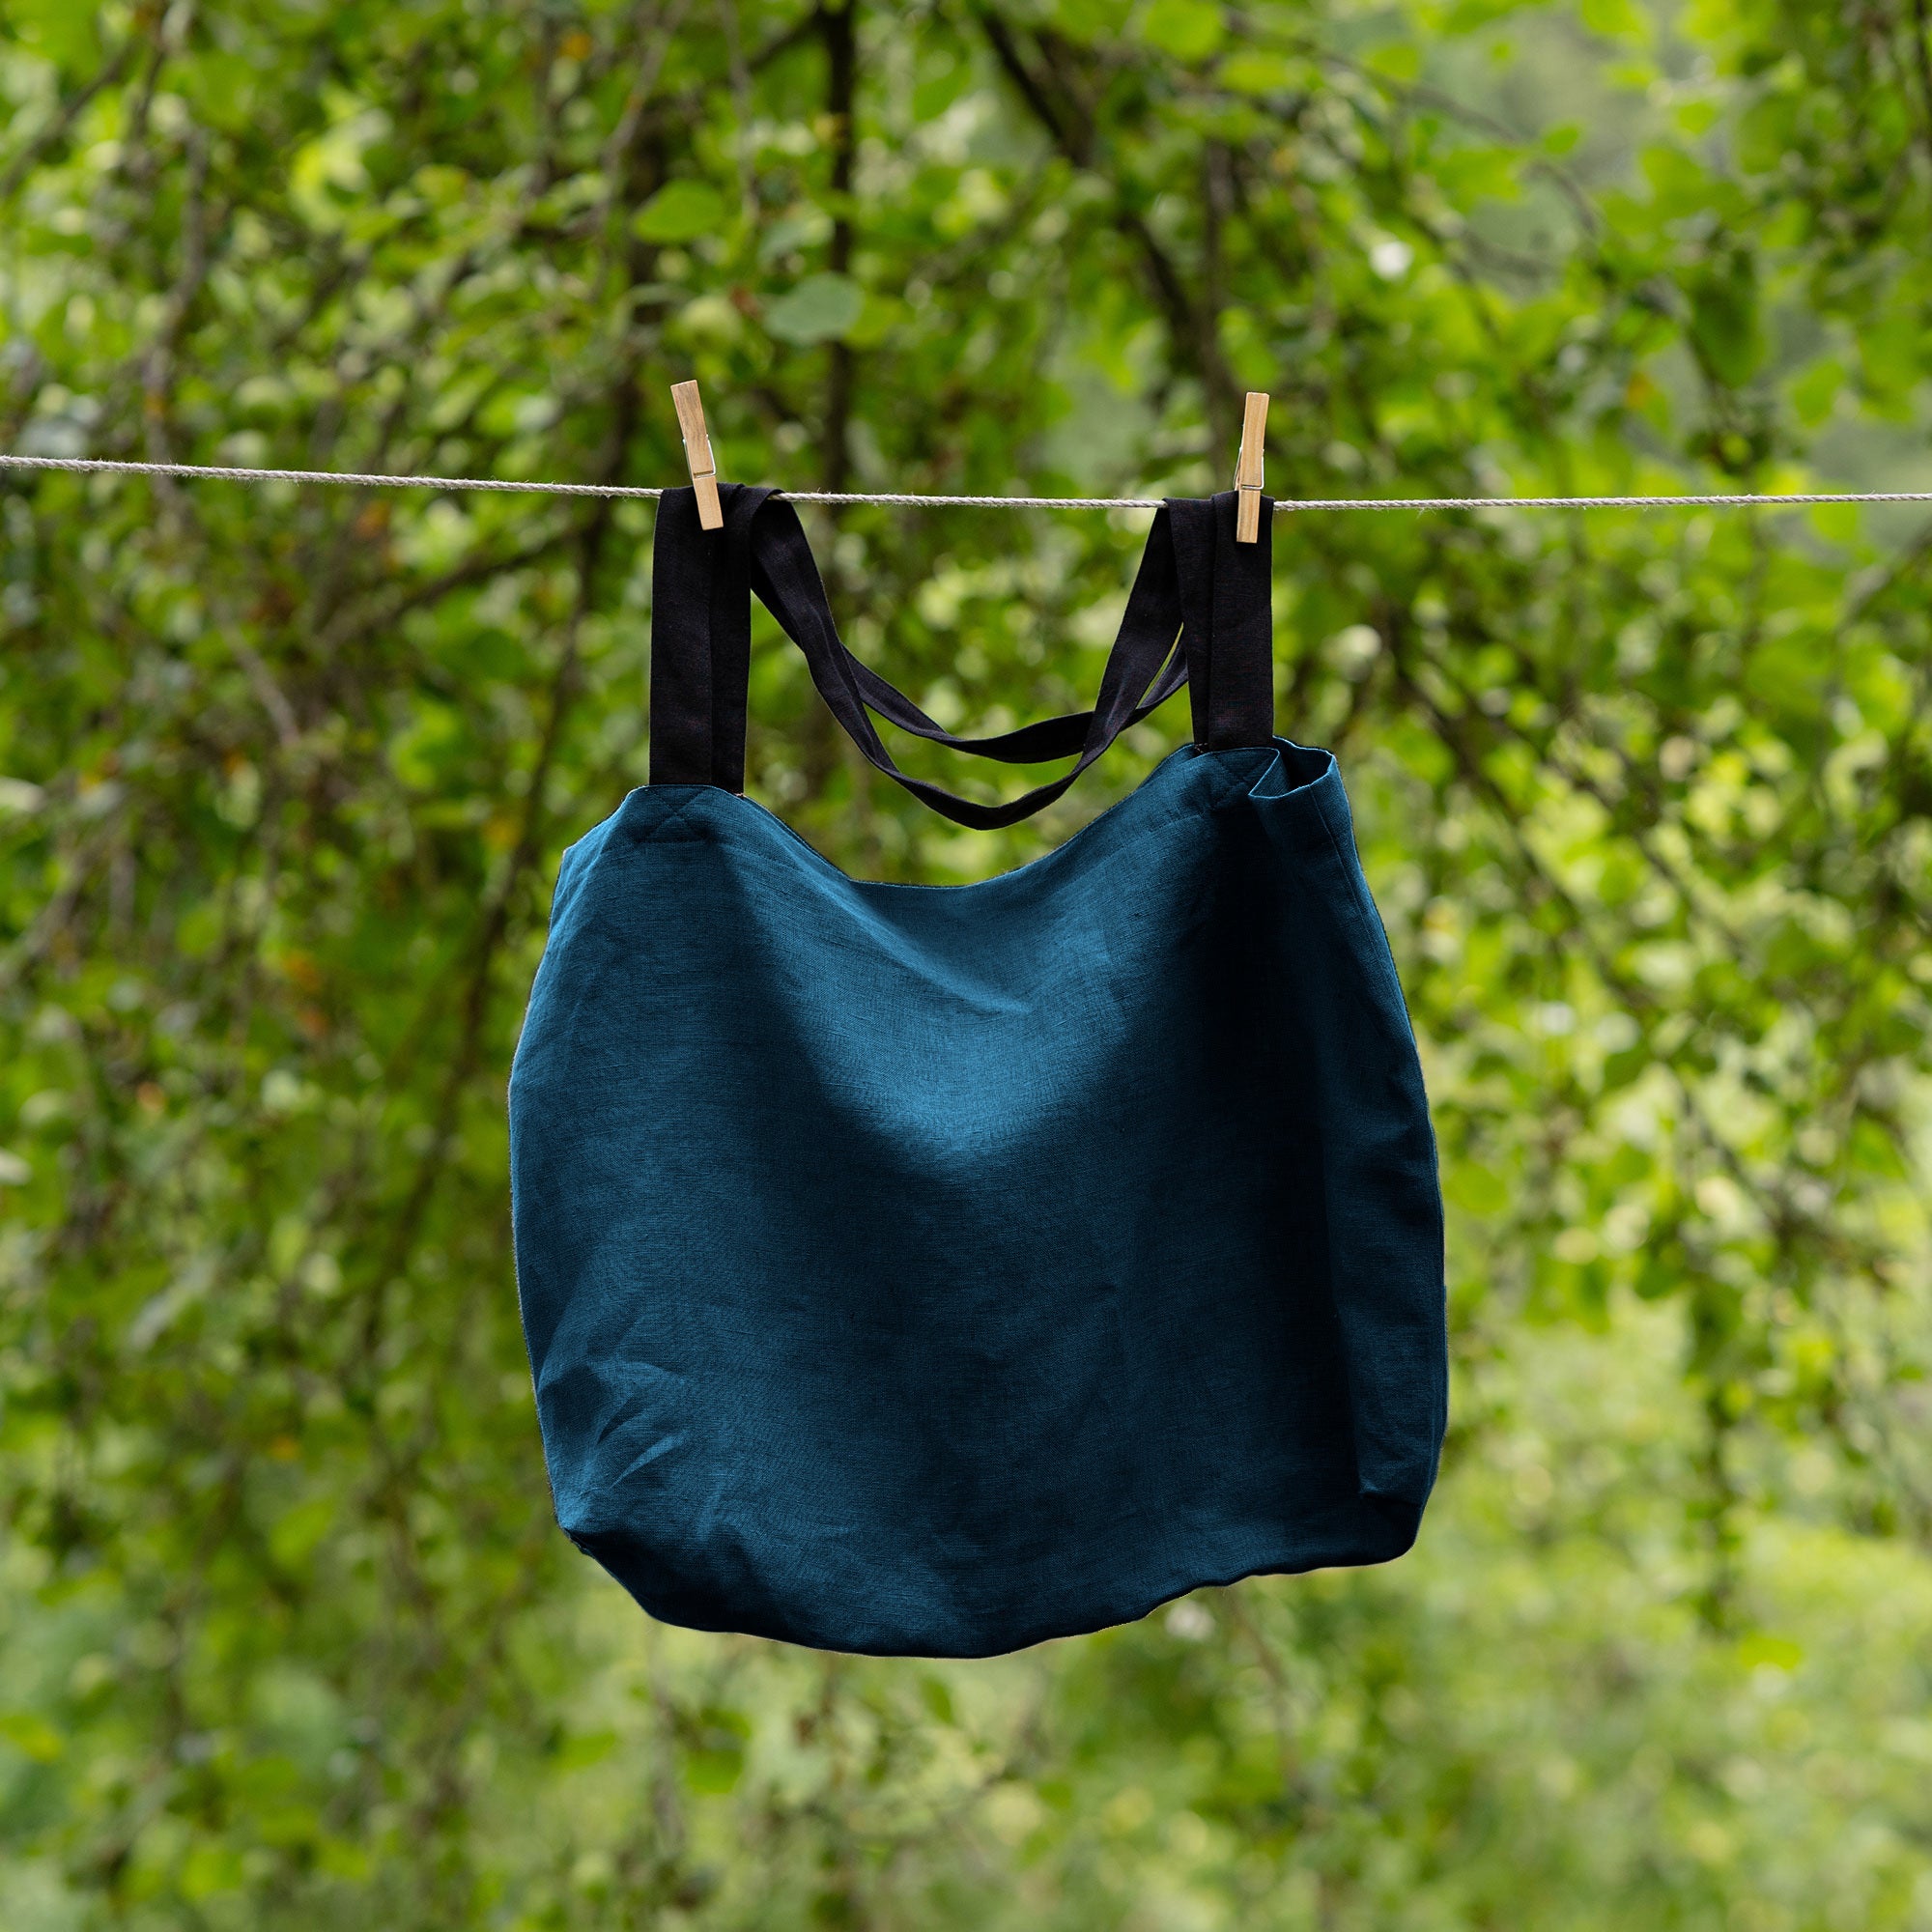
{"x":227,"y":474}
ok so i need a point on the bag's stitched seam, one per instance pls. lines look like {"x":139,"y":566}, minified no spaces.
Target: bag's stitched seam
{"x":1231,"y":792}
{"x":1370,"y":922}
{"x":670,"y":819}
{"x":1367,"y":922}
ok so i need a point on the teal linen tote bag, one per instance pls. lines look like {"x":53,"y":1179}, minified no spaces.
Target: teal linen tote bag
{"x":933,"y":1271}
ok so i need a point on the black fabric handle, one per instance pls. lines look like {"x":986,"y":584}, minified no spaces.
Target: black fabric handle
{"x":1195,"y":584}
{"x":700,"y":643}
{"x":1226,"y":606}
{"x":1035,"y":744}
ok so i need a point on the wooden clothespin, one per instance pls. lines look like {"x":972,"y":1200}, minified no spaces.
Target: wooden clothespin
{"x":1248,"y":467}
{"x":698,"y":453}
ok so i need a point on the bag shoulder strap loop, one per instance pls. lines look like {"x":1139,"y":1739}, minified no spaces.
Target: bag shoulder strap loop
{"x":1226,"y":602}
{"x":1194,"y":584}
{"x":700,"y":640}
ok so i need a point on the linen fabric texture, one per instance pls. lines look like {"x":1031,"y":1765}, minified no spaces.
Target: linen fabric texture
{"x":934,"y":1270}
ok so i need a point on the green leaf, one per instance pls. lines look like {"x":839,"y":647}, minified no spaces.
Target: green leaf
{"x":1836,"y":523}
{"x":219,"y":86}
{"x":1087,"y":21}
{"x":878,"y":316}
{"x":1724,"y":323}
{"x":1254,"y":72}
{"x":1190,"y":30}
{"x":1759,"y":1649}
{"x":1399,"y":60}
{"x":1615,"y":19}
{"x":714,"y":1769}
{"x":822,"y":308}
{"x":584,"y":1748}
{"x":294,"y":1538}
{"x":937,"y":92}
{"x":1468,"y":175}
{"x":1468,"y":17}
{"x":681,"y":211}
{"x":1476,"y":1188}
{"x":32,"y":1736}
{"x":63,"y":30}
{"x":210,"y":1870}
{"x":1815,"y":392}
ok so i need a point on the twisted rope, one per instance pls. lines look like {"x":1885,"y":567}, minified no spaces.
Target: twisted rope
{"x":228,"y":474}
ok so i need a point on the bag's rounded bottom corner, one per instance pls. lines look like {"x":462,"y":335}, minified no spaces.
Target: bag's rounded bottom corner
{"x":978,"y":1641}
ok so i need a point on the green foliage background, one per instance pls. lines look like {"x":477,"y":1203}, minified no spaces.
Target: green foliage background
{"x":286,"y":1635}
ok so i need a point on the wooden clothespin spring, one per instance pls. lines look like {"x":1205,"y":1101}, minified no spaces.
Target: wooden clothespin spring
{"x":1248,"y":467}
{"x":698,"y":453}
